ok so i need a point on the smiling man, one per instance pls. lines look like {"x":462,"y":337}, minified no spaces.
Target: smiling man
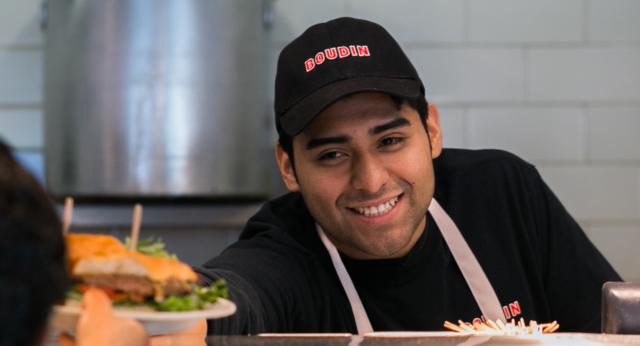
{"x":364,"y":169}
{"x":385,"y":230}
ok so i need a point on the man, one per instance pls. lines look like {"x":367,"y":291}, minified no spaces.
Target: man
{"x":385,"y":230}
{"x":32,"y":263}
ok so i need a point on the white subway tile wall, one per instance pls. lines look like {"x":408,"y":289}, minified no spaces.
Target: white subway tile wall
{"x":418,"y":21}
{"x":471,"y":74}
{"x":596,"y":193}
{"x":586,"y":74}
{"x":613,"y":20}
{"x":20,"y":23}
{"x":524,"y":21}
{"x":550,"y":134}
{"x":619,"y":243}
{"x":613,"y":134}
{"x":453,"y":123}
{"x":21,"y":76}
{"x":292,"y":17}
{"x":555,"y":82}
{"x":21,"y":81}
{"x":22,"y":128}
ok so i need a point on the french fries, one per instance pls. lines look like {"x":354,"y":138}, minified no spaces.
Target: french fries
{"x":500,"y":328}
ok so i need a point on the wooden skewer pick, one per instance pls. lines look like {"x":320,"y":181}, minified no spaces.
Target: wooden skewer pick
{"x":67,"y":215}
{"x":135,"y":226}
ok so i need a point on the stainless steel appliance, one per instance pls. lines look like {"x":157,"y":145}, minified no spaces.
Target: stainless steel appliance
{"x":156,"y":98}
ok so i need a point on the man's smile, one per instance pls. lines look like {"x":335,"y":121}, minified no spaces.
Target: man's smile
{"x":378,"y":208}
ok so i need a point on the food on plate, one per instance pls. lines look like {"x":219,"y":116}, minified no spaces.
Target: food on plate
{"x":500,"y":328}
{"x":150,"y":277}
{"x":82,"y":245}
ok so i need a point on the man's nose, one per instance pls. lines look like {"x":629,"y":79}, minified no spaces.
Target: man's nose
{"x":368,"y":174}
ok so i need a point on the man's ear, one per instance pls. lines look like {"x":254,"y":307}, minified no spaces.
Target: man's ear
{"x":287,"y":171}
{"x":433,"y":128}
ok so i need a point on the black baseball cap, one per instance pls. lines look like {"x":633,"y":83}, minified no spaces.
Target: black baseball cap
{"x":334,"y":59}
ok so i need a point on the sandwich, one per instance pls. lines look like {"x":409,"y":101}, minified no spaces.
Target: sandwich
{"x":149,"y":277}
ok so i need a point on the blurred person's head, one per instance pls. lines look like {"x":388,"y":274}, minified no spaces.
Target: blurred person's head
{"x":32,"y":257}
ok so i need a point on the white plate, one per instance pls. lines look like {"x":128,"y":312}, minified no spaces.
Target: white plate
{"x":65,"y":317}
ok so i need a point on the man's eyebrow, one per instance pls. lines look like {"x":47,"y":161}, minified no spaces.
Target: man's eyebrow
{"x":316,"y":142}
{"x":397,"y":122}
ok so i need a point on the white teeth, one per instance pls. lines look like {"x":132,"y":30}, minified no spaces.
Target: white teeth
{"x":379,"y":209}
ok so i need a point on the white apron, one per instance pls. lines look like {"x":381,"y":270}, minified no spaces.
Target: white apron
{"x":473,"y":274}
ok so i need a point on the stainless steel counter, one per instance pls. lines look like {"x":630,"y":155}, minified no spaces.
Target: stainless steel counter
{"x":461,"y":340}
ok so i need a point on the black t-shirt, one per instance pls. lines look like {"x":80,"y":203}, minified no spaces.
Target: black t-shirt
{"x":538,"y":260}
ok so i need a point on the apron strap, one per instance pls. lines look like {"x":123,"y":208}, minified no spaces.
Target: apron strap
{"x":472,"y":272}
{"x":359,"y":314}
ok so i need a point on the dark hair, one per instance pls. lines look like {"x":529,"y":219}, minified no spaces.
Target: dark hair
{"x":33,"y":272}
{"x":418,"y":104}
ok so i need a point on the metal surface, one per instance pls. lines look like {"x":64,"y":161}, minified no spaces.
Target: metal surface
{"x":578,"y":339}
{"x":166,"y":216}
{"x":156,"y":98}
{"x":621,"y":308}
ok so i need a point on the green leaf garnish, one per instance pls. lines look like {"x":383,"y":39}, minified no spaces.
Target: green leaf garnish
{"x":152,"y":246}
{"x":197,"y":299}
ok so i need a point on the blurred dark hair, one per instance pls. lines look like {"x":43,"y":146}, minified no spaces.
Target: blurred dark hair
{"x":418,"y":104}
{"x":33,"y":272}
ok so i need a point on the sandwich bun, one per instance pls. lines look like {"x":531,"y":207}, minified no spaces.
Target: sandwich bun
{"x":83,"y":245}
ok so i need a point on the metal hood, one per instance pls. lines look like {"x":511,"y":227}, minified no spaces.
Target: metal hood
{"x":155,"y":98}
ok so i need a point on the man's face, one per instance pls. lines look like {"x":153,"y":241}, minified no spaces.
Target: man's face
{"x":364,"y":170}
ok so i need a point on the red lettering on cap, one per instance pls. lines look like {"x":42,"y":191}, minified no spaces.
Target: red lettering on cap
{"x":363,"y":50}
{"x":331,"y":53}
{"x":343,"y":52}
{"x":309,"y":64}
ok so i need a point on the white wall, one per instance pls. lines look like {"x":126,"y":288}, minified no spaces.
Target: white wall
{"x":21,"y":78}
{"x":556,"y":82}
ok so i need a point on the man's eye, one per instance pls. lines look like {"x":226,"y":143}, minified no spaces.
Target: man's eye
{"x":330,"y":155}
{"x":391,"y":141}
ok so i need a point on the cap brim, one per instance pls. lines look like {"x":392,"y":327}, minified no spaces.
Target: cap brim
{"x":302,"y":113}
